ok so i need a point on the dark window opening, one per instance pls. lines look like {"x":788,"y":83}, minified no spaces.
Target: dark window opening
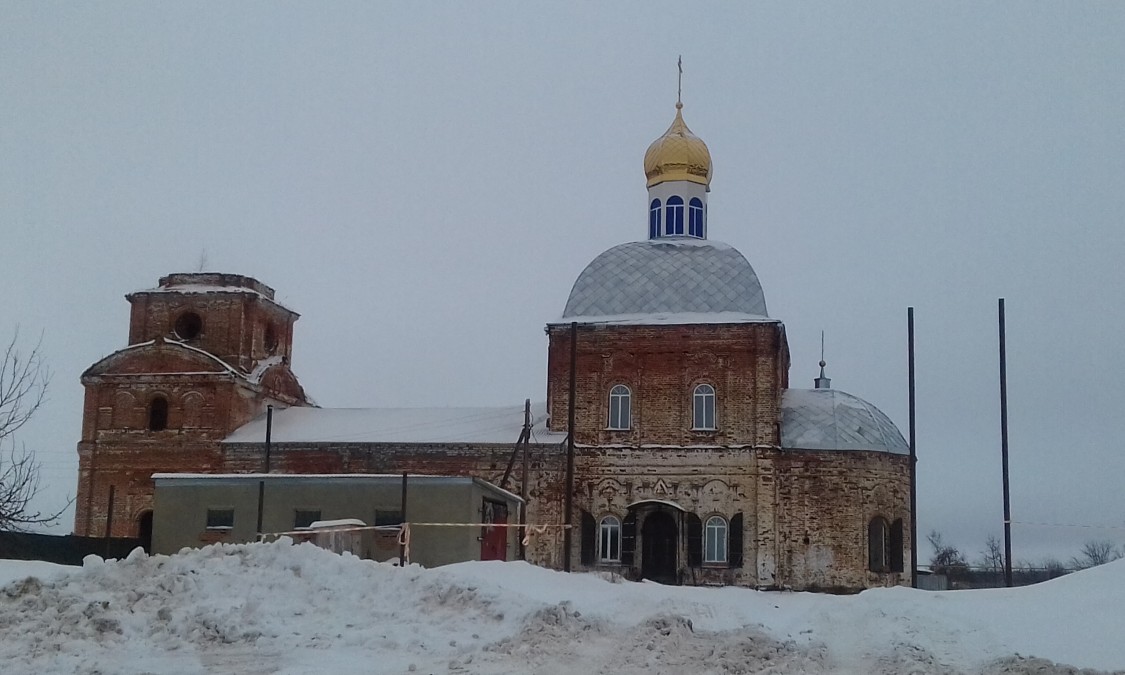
{"x":629,"y":539}
{"x":589,"y":538}
{"x":220,"y":519}
{"x":896,"y":561}
{"x":305,"y":517}
{"x":158,"y":414}
{"x":654,"y":219}
{"x":736,"y":540}
{"x":188,"y":326}
{"x":694,"y":540}
{"x":878,"y":540}
{"x":144,"y":531}
{"x":270,"y":339}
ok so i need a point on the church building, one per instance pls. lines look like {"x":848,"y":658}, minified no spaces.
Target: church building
{"x":694,"y":461}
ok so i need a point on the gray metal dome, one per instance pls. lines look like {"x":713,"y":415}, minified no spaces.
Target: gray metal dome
{"x":667,"y":276}
{"x":830,"y":419}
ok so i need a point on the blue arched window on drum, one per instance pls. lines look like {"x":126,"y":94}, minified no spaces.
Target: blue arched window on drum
{"x":675,"y":216}
{"x":695,"y":217}
{"x":654,"y":219}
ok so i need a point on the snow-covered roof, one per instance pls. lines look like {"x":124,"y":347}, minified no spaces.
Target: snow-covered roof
{"x":664,"y":277}
{"x":361,"y":478}
{"x":830,"y":419}
{"x":398,"y":425}
{"x":669,"y":319}
{"x":213,"y":282}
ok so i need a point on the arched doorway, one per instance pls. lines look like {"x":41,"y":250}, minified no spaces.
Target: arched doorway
{"x":658,"y":548}
{"x":144,"y":531}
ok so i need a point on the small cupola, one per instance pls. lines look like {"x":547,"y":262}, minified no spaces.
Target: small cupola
{"x":678,"y":155}
{"x":678,"y":169}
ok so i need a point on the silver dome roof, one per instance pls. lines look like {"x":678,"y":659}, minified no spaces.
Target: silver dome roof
{"x":667,"y":276}
{"x":830,"y":419}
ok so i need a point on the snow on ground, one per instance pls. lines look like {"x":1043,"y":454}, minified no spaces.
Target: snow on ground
{"x":280,"y":608}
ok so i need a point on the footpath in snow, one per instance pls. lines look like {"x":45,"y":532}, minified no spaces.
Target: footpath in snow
{"x":281,"y":608}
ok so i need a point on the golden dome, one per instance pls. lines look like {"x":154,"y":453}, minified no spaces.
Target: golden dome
{"x":678,"y":155}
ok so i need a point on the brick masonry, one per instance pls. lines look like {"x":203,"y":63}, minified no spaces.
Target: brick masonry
{"x":804,"y":513}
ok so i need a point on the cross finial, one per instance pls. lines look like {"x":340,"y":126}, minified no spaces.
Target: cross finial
{"x":680,"y":82}
{"x":822,"y":382}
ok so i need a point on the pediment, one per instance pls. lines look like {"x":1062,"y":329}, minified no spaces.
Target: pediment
{"x":279,"y":380}
{"x":157,"y":358}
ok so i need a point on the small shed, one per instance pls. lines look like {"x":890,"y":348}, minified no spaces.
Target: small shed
{"x":453,"y":518}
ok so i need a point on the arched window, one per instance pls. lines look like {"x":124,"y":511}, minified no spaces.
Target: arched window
{"x":609,"y":540}
{"x":878,"y":544}
{"x":715,"y":540}
{"x":158,"y":414}
{"x":703,"y":407}
{"x":675,"y":215}
{"x":620,"y":408}
{"x":192,"y":404}
{"x":695,"y":217}
{"x":654,"y":219}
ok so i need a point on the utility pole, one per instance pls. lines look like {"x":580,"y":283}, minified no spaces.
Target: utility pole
{"x":262,"y":481}
{"x":524,"y":477}
{"x":1004,"y":448}
{"x":913,"y":454}
{"x":569,"y":499}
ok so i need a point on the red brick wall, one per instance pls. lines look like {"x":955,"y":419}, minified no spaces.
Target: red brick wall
{"x":823,"y":504}
{"x":747,"y":364}
{"x":234,"y":324}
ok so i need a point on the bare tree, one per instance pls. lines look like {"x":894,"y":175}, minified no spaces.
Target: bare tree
{"x":992,"y":558}
{"x":23,"y":388}
{"x":1095,"y":552}
{"x":947,"y":559}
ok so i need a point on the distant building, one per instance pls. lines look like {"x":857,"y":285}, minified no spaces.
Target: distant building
{"x":696,"y":462}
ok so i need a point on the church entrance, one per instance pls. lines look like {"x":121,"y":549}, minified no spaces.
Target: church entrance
{"x":658,"y":548}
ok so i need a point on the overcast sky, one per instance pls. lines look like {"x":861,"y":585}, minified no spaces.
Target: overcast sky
{"x":423,"y":183}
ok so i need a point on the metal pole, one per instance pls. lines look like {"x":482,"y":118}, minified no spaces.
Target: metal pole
{"x":402,"y":540}
{"x":523,"y":476}
{"x":1004,"y":448}
{"x":569,"y":500}
{"x":109,"y":521}
{"x":262,"y":482}
{"x":269,"y":435}
{"x":913,"y":455}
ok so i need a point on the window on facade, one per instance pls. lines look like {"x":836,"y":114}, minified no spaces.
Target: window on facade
{"x":675,"y":215}
{"x":305,"y":517}
{"x":895,"y":561}
{"x":695,"y":217}
{"x":620,"y":407}
{"x":220,"y":519}
{"x":703,"y":407}
{"x":269,"y":340}
{"x":654,"y":219}
{"x":188,"y":326}
{"x":878,"y":544}
{"x":715,"y":540}
{"x":158,"y":414}
{"x":609,"y":540}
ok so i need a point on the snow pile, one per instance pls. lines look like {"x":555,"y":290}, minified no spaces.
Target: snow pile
{"x":282,"y":608}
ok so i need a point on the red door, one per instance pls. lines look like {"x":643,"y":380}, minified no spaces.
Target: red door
{"x":494,"y":540}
